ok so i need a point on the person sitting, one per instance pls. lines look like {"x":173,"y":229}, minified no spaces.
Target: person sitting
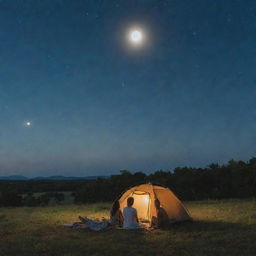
{"x":116,"y":216}
{"x":116,"y":219}
{"x":162,"y":220}
{"x":130,"y":215}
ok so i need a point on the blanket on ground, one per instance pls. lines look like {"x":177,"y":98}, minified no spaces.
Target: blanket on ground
{"x":90,"y":224}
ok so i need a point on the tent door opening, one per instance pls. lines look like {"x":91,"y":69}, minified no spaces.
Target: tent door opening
{"x":142,"y":203}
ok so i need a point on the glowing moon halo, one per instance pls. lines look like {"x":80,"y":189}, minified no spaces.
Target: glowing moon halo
{"x":136,"y":36}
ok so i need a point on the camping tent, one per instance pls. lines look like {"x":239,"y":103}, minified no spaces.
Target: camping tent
{"x":144,"y":196}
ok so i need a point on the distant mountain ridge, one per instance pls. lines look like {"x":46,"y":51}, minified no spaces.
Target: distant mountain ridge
{"x":13,"y":177}
{"x":19,"y":177}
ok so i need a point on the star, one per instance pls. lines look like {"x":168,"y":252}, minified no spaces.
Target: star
{"x":28,"y":123}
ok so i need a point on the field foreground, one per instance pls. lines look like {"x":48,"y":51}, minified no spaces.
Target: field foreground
{"x":226,"y":227}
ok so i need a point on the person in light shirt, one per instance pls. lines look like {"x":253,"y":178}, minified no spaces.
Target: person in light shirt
{"x":130,"y":215}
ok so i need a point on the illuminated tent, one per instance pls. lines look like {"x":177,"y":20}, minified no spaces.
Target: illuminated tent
{"x":144,"y":196}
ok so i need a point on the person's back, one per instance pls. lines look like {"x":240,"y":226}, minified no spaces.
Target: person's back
{"x":130,"y":215}
{"x":163,"y":219}
{"x":116,"y":217}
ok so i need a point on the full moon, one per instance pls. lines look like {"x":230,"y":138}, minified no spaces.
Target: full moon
{"x":136,"y":36}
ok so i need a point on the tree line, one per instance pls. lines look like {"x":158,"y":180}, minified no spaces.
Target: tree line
{"x":236,"y":179}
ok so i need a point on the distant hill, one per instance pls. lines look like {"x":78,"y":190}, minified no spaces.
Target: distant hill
{"x":13,"y":177}
{"x":17,"y":177}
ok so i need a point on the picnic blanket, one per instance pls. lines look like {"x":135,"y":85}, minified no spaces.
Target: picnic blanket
{"x":90,"y":224}
{"x":101,"y":225}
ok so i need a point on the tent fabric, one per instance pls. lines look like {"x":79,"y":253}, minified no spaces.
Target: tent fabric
{"x":144,"y":196}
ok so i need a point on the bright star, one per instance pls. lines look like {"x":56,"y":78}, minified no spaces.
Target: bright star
{"x":28,"y":123}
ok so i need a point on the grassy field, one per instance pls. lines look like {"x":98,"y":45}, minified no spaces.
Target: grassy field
{"x":225,"y":227}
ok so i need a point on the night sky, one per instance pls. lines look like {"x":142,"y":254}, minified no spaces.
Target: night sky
{"x":77,"y":98}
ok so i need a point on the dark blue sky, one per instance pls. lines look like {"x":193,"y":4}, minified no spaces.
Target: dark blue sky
{"x":98,"y":105}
